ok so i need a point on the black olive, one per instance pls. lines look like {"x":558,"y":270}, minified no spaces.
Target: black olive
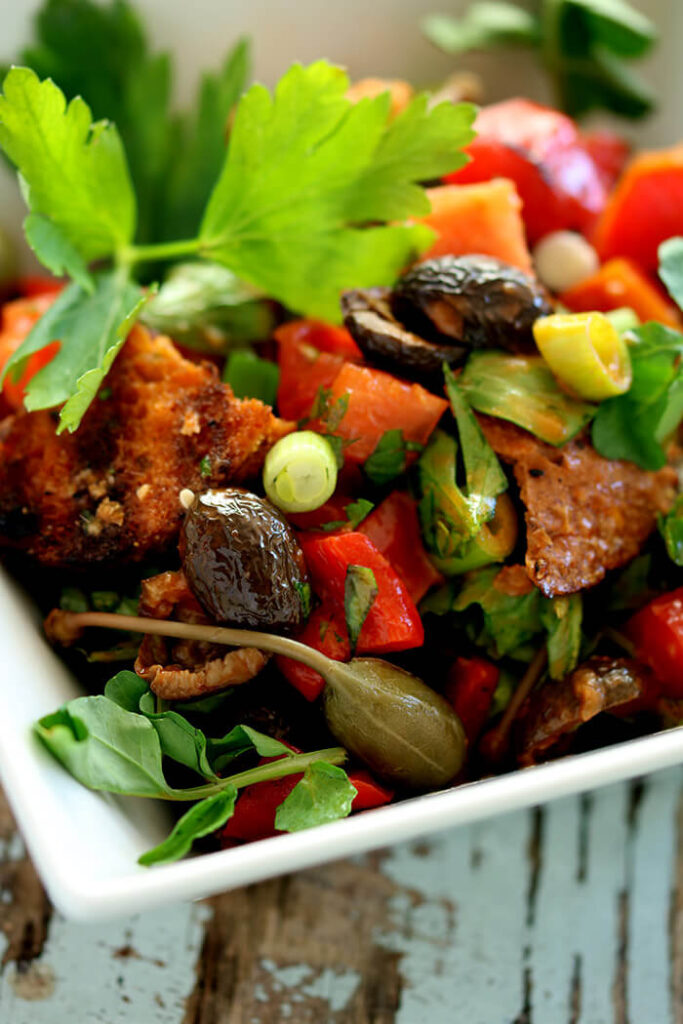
{"x":478,"y":301}
{"x":242,"y":561}
{"x":387,"y":343}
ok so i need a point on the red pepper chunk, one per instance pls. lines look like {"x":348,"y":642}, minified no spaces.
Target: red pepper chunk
{"x":325,"y":632}
{"x":18,"y":318}
{"x":657,"y":633}
{"x":311,"y":354}
{"x":254,"y":816}
{"x":470,"y":688}
{"x":377,"y":402}
{"x":394,"y":529}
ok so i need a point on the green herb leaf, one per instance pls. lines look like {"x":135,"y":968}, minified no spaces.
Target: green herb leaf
{"x":72,"y":599}
{"x":389,"y":459}
{"x":55,"y":251}
{"x":240,"y":740}
{"x":75,"y":172}
{"x":482,"y":27}
{"x":106,"y":747}
{"x":126,"y":689}
{"x":509,"y":622}
{"x":633,"y":426}
{"x":360,"y":591}
{"x":96,"y":327}
{"x":561,"y":617}
{"x":307,"y":168}
{"x":305,"y":596}
{"x":179,"y":740}
{"x":356,"y":512}
{"x":522,"y":389}
{"x":671,"y":268}
{"x":249,"y":376}
{"x":671,"y":529}
{"x":202,"y":819}
{"x":200,"y":143}
{"x":324,"y":794}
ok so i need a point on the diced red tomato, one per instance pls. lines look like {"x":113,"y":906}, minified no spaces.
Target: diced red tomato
{"x":610,"y":152}
{"x":542,"y":152}
{"x":657,"y":633}
{"x":18,"y":317}
{"x":33,"y":285}
{"x":394,"y":529}
{"x":254,"y":816}
{"x":311,"y":354}
{"x":470,"y":688}
{"x":645,"y":208}
{"x":620,"y":282}
{"x":377,"y":402}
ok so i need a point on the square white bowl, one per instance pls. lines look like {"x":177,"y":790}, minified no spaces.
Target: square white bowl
{"x":85,"y":845}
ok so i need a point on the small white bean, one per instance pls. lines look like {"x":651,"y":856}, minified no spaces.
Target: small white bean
{"x":564,"y":259}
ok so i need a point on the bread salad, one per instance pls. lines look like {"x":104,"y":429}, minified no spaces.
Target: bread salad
{"x":340,"y":449}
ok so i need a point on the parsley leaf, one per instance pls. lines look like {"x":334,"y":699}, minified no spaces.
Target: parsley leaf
{"x":389,"y":458}
{"x":55,"y":251}
{"x":75,"y":172}
{"x":360,"y":591}
{"x":325,"y":793}
{"x":96,"y":327}
{"x":306,"y":169}
{"x":356,"y":512}
{"x":634,"y":425}
{"x":583,"y":45}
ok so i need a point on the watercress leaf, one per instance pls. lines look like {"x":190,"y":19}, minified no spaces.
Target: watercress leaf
{"x":360,"y":591}
{"x":482,"y":27}
{"x":617,"y":25}
{"x":55,"y":251}
{"x":634,"y":425}
{"x":522,"y":389}
{"x":201,"y":145}
{"x":75,"y":172}
{"x":561,"y":618}
{"x":72,"y":599}
{"x":239,"y":740}
{"x":179,"y":740}
{"x":297,"y":188}
{"x":671,"y":268}
{"x":106,"y":747}
{"x":388,"y":460}
{"x":94,"y":327}
{"x":202,"y":819}
{"x":671,"y":529}
{"x":249,"y":376}
{"x":325,"y":793}
{"x":126,"y":689}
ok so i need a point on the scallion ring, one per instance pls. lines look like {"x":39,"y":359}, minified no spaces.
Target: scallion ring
{"x":586,"y":352}
{"x":300,"y":472}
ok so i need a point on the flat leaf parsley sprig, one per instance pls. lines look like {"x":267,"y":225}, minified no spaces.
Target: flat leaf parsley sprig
{"x":313,"y":198}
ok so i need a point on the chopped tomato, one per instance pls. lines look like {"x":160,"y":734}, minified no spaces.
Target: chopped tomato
{"x":542,"y":152}
{"x":470,"y":688}
{"x":257,"y":805}
{"x":311,"y":354}
{"x":610,"y":152}
{"x":33,"y":285}
{"x":377,"y":402}
{"x":394,"y":529}
{"x":483,"y":218}
{"x":18,"y":318}
{"x":657,"y":632}
{"x":644,"y":210}
{"x":620,"y":282}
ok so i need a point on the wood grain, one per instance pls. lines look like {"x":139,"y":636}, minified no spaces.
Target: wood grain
{"x":568,"y":914}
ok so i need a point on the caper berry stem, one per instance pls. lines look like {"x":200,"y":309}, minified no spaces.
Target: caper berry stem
{"x":496,"y":741}
{"x":65,"y":627}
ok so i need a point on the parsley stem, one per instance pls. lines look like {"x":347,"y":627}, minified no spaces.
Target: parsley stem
{"x":278,"y":769}
{"x":160,"y":251}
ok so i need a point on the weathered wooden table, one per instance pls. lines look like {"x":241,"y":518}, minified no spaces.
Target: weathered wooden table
{"x":570,"y":914}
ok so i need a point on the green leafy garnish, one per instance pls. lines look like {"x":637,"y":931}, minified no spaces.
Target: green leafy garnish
{"x":635,"y":425}
{"x":671,"y":529}
{"x":360,"y":591}
{"x":561,"y":618}
{"x":249,"y":376}
{"x":585,"y":47}
{"x":522,"y":389}
{"x":201,"y":820}
{"x":356,"y":512}
{"x":311,"y":199}
{"x":324,"y":794}
{"x":389,"y":458}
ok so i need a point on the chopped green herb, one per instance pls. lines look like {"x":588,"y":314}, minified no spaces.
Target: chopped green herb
{"x":389,"y":459}
{"x":305,"y":596}
{"x":360,"y":591}
{"x":205,"y":469}
{"x":356,"y":512}
{"x":561,"y":618}
{"x":249,"y":376}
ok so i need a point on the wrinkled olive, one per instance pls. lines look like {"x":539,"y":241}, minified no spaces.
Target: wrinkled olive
{"x":476,"y":300}
{"x":388,"y":344}
{"x":401,"y":729}
{"x":242,"y":560}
